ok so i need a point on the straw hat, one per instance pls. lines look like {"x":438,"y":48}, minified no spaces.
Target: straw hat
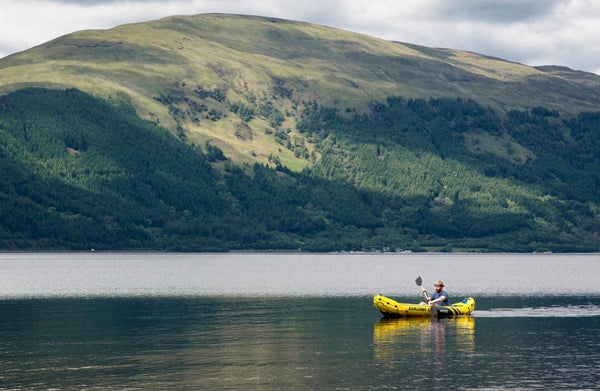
{"x":439,"y":282}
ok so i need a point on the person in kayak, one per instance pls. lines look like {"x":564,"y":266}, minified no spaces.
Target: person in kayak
{"x":439,"y":297}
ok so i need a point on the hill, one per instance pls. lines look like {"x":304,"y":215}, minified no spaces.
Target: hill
{"x":205,"y":74}
{"x":215,"y":132}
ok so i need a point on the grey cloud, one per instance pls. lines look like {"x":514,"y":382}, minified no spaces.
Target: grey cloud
{"x":105,"y":2}
{"x":492,"y":11}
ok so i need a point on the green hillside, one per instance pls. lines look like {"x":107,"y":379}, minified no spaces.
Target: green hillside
{"x":210,"y":75}
{"x":218,"y":132}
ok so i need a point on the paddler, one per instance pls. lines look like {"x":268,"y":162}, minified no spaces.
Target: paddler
{"x":439,"y":297}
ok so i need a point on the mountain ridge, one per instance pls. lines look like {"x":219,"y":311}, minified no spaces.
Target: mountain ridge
{"x":260,"y":57}
{"x":427,"y":148}
{"x":270,"y":39}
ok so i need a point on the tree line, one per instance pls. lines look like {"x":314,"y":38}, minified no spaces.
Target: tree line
{"x":80,"y":172}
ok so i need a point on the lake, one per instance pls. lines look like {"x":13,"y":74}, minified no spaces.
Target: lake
{"x":154,"y":321}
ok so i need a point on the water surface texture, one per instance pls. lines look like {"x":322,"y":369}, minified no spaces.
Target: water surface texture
{"x":294,"y":322}
{"x":160,"y":274}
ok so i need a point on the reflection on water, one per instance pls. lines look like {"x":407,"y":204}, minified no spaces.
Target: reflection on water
{"x":319,"y":343}
{"x":293,"y":322}
{"x":427,"y":353}
{"x":397,"y":337}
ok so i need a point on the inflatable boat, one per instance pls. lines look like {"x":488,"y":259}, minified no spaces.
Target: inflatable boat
{"x":392,"y":309}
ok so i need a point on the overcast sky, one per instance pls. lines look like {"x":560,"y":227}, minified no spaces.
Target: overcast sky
{"x":532,"y":32}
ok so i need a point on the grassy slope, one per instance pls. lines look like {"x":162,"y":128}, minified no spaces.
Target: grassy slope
{"x":278,"y":62}
{"x":284,"y":63}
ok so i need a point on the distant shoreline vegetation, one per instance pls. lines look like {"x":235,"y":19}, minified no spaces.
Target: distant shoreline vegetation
{"x":446,"y":174}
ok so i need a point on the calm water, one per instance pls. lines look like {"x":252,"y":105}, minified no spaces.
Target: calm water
{"x":294,"y":322}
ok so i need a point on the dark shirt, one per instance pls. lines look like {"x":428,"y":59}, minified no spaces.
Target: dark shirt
{"x":438,"y":295}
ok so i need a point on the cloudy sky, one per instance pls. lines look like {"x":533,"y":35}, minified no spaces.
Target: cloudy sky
{"x":532,"y":32}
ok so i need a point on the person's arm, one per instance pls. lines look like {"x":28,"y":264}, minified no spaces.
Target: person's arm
{"x":438,"y":300}
{"x":425,"y":295}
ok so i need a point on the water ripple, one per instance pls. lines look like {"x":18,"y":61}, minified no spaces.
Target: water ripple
{"x":569,"y":311}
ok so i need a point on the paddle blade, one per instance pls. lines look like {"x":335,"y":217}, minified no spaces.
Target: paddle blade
{"x":419,"y":281}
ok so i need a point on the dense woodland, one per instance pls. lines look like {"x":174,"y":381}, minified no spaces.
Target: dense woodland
{"x":446,"y":174}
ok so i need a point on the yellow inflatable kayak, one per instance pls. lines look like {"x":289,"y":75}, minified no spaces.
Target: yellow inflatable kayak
{"x":392,"y":309}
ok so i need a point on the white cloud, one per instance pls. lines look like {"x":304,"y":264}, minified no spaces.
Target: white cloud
{"x":534,"y":32}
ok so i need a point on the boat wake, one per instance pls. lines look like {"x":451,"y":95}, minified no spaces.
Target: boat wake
{"x":570,"y":311}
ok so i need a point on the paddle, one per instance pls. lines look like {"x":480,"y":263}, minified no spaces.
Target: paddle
{"x":419,"y":282}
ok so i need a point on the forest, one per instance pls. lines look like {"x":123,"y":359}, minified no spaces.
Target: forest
{"x":448,"y":174}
